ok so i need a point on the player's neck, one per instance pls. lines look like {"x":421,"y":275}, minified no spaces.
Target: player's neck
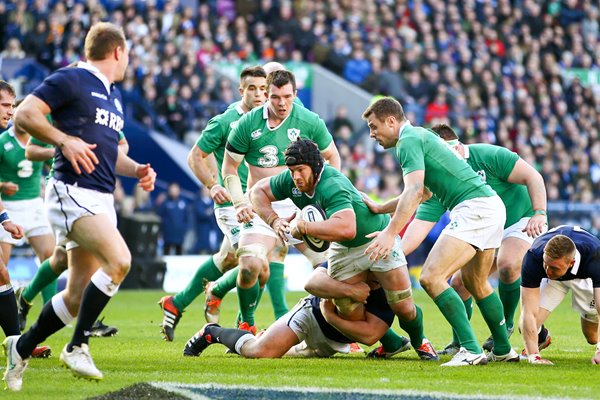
{"x":106,"y":68}
{"x":23,"y":138}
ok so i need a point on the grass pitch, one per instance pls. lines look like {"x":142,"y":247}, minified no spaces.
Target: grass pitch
{"x":139,"y":355}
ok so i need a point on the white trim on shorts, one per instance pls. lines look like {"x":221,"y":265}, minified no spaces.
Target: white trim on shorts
{"x":553,"y":292}
{"x":479,"y":222}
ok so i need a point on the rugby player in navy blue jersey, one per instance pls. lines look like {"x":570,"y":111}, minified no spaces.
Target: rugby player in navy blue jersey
{"x":88,"y":116}
{"x":570,"y":255}
{"x":312,"y":328}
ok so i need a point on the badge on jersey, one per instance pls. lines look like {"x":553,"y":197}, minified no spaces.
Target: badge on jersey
{"x":293,"y":134}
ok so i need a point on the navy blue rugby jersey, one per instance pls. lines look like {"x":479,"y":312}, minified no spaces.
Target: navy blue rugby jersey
{"x":376,"y":305}
{"x":84,"y":104}
{"x":587,"y":257}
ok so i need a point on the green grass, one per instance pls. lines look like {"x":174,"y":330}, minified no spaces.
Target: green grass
{"x":138,"y":354}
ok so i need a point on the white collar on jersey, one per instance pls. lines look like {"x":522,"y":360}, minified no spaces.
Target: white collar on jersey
{"x":404,"y":125}
{"x":96,"y":72}
{"x":11,"y":132}
{"x":575,"y":268}
{"x":239,"y":109}
{"x":466,"y":151}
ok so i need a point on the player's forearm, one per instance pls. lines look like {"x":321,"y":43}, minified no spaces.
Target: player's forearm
{"x":322,"y":285}
{"x":333,"y":158}
{"x":126,"y":166}
{"x":205,"y":171}
{"x":389,"y":206}
{"x":407,"y":204}
{"x":537,"y":192}
{"x":529,"y":331}
{"x":358,"y":331}
{"x":38,"y":153}
{"x":333,"y":229}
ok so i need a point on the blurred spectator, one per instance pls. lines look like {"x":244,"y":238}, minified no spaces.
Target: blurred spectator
{"x":174,"y":213}
{"x":208,"y":235}
{"x":13,"y":49}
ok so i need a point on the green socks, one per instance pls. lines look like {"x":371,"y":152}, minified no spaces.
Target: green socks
{"x":414,"y":328}
{"x":453,"y":309}
{"x":493,"y":314}
{"x":469,"y":308}
{"x":43,"y":277}
{"x":225,"y":283}
{"x":207,"y":272}
{"x":248,"y":300}
{"x":391,"y":341}
{"x":510,"y":294}
{"x":276,"y":286}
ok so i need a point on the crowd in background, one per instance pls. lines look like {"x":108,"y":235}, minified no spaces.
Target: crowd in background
{"x":497,"y":71}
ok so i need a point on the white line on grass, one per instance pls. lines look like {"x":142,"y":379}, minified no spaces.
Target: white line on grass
{"x":191,"y":391}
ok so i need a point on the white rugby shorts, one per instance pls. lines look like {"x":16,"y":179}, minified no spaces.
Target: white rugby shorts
{"x":553,"y":292}
{"x":479,"y":222}
{"x":30,"y":215}
{"x":283,"y":208}
{"x":227,"y":222}
{"x":65,"y":204}
{"x":313,"y":342}
{"x":516,"y":231}
{"x":346,"y":262}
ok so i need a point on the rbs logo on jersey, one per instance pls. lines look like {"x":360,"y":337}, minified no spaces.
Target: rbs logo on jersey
{"x":107,"y":118}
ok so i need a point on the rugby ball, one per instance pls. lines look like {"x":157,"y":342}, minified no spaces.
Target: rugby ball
{"x":314,"y":213}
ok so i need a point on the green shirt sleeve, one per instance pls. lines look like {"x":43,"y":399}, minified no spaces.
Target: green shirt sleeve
{"x":281,"y":185}
{"x":211,"y":137}
{"x":503,"y":162}
{"x":430,"y":211}
{"x":410,"y":154}
{"x":340,"y":199}
{"x":239,"y":137}
{"x":321,"y":135}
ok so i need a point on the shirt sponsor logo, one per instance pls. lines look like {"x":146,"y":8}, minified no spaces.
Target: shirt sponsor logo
{"x":8,"y":146}
{"x":99,"y":95}
{"x":256,"y":134}
{"x":293,"y":134}
{"x":482,"y":175}
{"x":296,"y":192}
{"x":109,"y":119}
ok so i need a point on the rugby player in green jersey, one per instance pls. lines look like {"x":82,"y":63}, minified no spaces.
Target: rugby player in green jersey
{"x":205,"y":160}
{"x":259,"y":139}
{"x":8,"y":306}
{"x":522,"y":191}
{"x":347,"y":226}
{"x":469,"y":241}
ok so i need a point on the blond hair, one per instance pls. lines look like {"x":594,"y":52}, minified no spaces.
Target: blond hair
{"x":558,"y":247}
{"x":102,"y":39}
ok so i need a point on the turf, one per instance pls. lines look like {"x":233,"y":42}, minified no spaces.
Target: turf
{"x":139,"y":355}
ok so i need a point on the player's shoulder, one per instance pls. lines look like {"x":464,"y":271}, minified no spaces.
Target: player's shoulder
{"x":303,"y":114}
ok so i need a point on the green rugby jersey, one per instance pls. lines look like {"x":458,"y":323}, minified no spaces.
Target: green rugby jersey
{"x":213,"y":139}
{"x":333,"y":192}
{"x":494,"y":165}
{"x":264,"y":147}
{"x":14,"y":167}
{"x":447,"y":175}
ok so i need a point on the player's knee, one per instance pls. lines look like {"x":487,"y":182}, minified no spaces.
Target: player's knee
{"x":225,"y":260}
{"x":278,"y":254}
{"x":427,"y":281}
{"x":346,"y":305}
{"x":508,"y":271}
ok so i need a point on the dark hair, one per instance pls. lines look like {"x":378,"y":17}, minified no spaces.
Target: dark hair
{"x":7,"y":87}
{"x":445,"y":132}
{"x":383,"y":108}
{"x":103,"y":38}
{"x":255,"y":72}
{"x":281,"y":78}
{"x":305,"y":151}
